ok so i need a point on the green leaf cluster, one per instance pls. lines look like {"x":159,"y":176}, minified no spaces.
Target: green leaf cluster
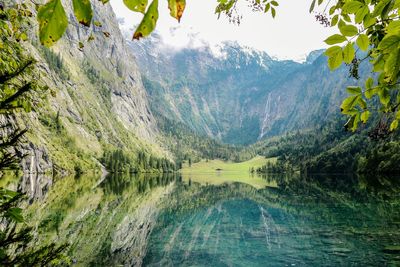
{"x":229,"y":8}
{"x":373,"y":27}
{"x":53,"y":20}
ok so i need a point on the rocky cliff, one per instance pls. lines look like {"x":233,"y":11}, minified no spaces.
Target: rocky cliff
{"x":96,"y":100}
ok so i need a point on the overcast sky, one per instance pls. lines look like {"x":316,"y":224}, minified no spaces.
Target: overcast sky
{"x":291,"y":35}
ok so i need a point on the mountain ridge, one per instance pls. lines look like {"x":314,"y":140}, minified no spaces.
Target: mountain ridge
{"x":240,"y":95}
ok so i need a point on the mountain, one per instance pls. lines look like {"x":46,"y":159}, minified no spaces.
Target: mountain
{"x":237,"y":94}
{"x":96,"y":101}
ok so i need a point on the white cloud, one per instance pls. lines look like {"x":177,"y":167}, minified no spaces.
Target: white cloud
{"x":291,"y":35}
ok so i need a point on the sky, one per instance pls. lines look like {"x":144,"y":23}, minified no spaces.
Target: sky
{"x":291,"y":35}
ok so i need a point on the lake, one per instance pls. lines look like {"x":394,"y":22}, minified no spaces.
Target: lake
{"x":170,"y":220}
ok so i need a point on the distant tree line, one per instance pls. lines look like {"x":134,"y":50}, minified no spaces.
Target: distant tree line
{"x":279,"y":166}
{"x":117,"y":161}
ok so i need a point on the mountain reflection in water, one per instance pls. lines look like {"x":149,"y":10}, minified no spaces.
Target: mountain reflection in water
{"x":170,"y":220}
{"x":306,"y":221}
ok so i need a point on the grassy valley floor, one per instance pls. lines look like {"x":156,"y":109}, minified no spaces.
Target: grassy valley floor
{"x":218,"y":172}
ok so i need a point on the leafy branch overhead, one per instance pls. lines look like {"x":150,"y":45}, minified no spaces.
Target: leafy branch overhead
{"x":369,"y":30}
{"x":53,"y":20}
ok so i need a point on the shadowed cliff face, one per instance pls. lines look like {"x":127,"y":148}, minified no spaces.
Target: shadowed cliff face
{"x":238,"y":94}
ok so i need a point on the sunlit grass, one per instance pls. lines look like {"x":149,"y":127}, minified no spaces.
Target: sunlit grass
{"x":219,"y":172}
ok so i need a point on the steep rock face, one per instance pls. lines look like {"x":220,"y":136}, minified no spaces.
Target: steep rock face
{"x":238,"y":94}
{"x":116,"y":64}
{"x":211,"y":90}
{"x":96,"y":100}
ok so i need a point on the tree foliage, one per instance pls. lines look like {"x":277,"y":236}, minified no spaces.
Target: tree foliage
{"x":369,"y":30}
{"x":19,"y":92}
{"x":119,"y":161}
{"x":53,"y":20}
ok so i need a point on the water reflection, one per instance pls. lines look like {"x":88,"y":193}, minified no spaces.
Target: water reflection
{"x":117,"y":183}
{"x":105,"y":219}
{"x":305,"y":221}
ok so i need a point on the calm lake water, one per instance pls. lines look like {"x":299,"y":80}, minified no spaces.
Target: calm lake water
{"x":301,"y":223}
{"x":318,"y":221}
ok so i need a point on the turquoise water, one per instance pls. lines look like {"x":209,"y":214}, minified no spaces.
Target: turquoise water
{"x":337,"y":222}
{"x":165,"y":220}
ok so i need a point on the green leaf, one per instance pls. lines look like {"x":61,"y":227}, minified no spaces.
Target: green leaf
{"x":149,"y":21}
{"x":335,"y":39}
{"x":392,"y":65}
{"x":352,"y":123}
{"x":394,"y":125}
{"x":349,"y":103}
{"x":312,"y":6}
{"x":274,"y":3}
{"x":365,"y":116}
{"x":332,"y":10}
{"x":360,"y":14}
{"x":348,"y":53}
{"x":394,"y":27}
{"x":273,"y":12}
{"x":379,"y":7}
{"x":333,"y":50}
{"x":352,"y":7}
{"x":369,"y":83}
{"x":176,"y":8}
{"x":136,"y":5}
{"x":387,"y":9}
{"x":363,"y":42}
{"x":348,"y":30}
{"x":369,"y":21}
{"x":341,"y":23}
{"x":267,"y":7}
{"x":354,"y":90}
{"x":83,"y":11}
{"x":378,"y":64}
{"x":335,"y":60}
{"x":334,"y":20}
{"x":362,"y":103}
{"x":384,"y":96}
{"x":389,"y":42}
{"x":52,"y":22}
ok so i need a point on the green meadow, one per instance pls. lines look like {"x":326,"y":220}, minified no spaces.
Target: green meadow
{"x":218,"y":172}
